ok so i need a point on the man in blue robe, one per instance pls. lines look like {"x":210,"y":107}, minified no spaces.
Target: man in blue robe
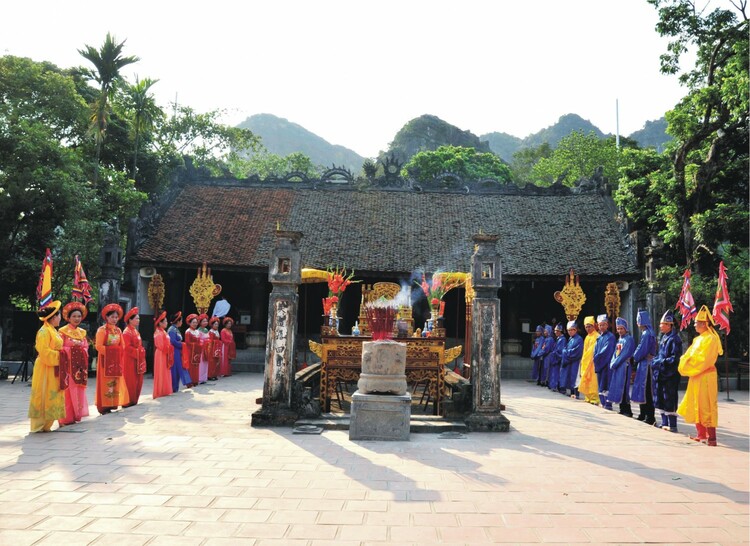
{"x":603,"y":351}
{"x":548,"y":347}
{"x":619,"y":368}
{"x":666,"y":378}
{"x":571,"y":359}
{"x":535,"y":348}
{"x":642,"y":392}
{"x":556,"y":357}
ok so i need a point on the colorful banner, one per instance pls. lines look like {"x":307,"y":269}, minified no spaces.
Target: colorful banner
{"x":722,"y":305}
{"x":44,"y":287}
{"x":686,"y":303}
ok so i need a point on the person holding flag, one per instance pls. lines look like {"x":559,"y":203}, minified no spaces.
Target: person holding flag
{"x":700,"y":403}
{"x":47,"y":403}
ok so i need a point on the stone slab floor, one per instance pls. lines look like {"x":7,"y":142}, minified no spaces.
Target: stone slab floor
{"x":189,"y":469}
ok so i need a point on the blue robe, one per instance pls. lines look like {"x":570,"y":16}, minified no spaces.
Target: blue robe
{"x":642,"y":357}
{"x":571,"y":359}
{"x":664,"y":367}
{"x":178,"y":372}
{"x":555,"y":360}
{"x":603,"y":351}
{"x":535,"y":348}
{"x":548,"y":347}
{"x":619,"y":370}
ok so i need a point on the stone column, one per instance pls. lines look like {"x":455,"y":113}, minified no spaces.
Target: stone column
{"x":281,"y":337}
{"x":486,"y":276}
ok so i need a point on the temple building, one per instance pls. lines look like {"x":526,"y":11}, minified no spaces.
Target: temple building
{"x":387,"y":229}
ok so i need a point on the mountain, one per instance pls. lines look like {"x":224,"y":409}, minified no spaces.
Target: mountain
{"x":653,"y":135}
{"x":506,"y":145}
{"x":282,"y":137}
{"x":429,"y":133}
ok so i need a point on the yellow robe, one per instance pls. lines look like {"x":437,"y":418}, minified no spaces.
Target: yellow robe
{"x":700,"y":403}
{"x":589,"y":386}
{"x":47,"y":402}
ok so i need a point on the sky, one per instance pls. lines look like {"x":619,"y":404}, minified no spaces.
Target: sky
{"x":355,"y":71}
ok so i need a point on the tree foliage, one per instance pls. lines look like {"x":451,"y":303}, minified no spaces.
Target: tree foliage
{"x":577,"y":156}
{"x":708,"y":179}
{"x":464,"y":162}
{"x":264,"y":164}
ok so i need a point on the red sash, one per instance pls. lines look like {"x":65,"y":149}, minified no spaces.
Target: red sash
{"x":113,"y":360}
{"x":141,"y":365}
{"x":170,"y":356}
{"x":63,"y":369}
{"x":79,"y":365}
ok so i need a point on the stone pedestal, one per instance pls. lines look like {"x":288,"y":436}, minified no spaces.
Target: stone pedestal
{"x":381,"y":408}
{"x":380,"y":417}
{"x":383,"y":368}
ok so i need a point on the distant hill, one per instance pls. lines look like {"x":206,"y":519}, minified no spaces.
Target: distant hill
{"x":503,"y":144}
{"x":653,"y":135}
{"x":429,"y":133}
{"x":283,"y":137}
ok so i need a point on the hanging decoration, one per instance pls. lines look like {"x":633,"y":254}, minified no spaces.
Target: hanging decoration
{"x":571,"y":297}
{"x":203,"y":289}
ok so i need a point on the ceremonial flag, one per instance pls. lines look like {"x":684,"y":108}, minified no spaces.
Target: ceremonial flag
{"x":722,"y":305}
{"x":81,"y":286}
{"x":44,"y":288}
{"x":686,"y":303}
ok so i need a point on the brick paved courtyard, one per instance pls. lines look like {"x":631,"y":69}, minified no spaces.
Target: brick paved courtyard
{"x":189,"y":469}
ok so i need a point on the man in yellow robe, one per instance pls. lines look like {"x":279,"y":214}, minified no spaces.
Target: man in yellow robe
{"x":47,"y":401}
{"x":589,"y":385}
{"x":700,"y":404}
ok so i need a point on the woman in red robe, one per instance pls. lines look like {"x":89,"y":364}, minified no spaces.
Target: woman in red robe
{"x":163,"y":357}
{"x":111,"y":390}
{"x":134,"y":361}
{"x":192,"y":348}
{"x":214,"y":348}
{"x":229,"y":348}
{"x":76,"y":346}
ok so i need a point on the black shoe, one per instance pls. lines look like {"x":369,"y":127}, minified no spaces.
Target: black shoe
{"x":651,"y":421}
{"x":641,"y":417}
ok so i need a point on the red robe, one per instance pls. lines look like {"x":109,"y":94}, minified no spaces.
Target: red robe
{"x":213,"y":352}
{"x":134,"y":363}
{"x":111,"y":390}
{"x":191,"y":353}
{"x":163,"y":361}
{"x":228,"y":353}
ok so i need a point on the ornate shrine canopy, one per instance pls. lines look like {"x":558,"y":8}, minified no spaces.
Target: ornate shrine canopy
{"x":230,"y":226}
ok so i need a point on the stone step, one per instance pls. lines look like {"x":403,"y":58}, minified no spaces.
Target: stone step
{"x":433,"y":424}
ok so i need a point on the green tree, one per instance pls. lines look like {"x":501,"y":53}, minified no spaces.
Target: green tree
{"x":264,"y":164}
{"x":708,"y":182}
{"x":525,"y":159}
{"x":108,"y":61}
{"x":42,"y":182}
{"x":577,"y":156}
{"x":141,"y":113}
{"x":204,"y":138}
{"x":464,"y":162}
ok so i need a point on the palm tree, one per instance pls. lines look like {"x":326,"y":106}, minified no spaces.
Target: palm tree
{"x":143,"y":112}
{"x":107,"y":61}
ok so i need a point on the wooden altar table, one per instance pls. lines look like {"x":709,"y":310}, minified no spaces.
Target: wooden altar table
{"x":341,"y":360}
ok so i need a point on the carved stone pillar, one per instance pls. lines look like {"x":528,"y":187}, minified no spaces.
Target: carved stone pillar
{"x":486,"y":340}
{"x":285,"y":276}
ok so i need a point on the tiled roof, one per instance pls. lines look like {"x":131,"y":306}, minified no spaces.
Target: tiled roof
{"x":381,"y":231}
